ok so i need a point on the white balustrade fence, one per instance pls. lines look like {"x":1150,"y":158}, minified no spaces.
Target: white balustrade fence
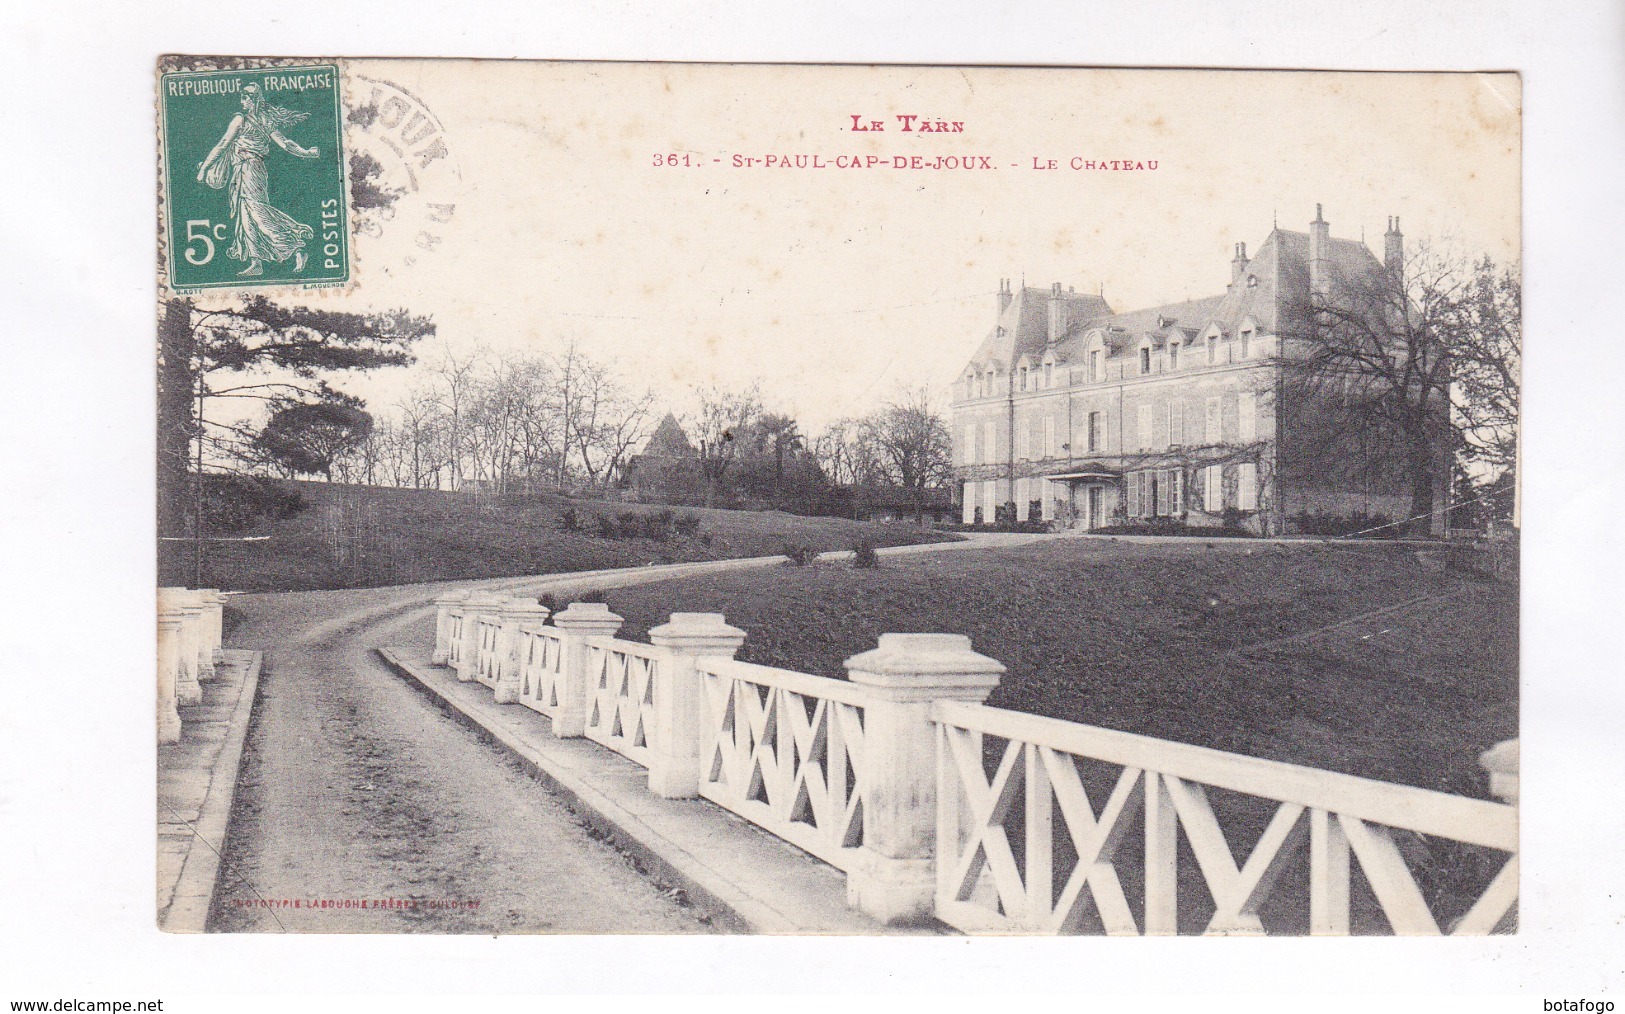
{"x":937,"y":806}
{"x":622,"y":709}
{"x":541,"y":668}
{"x":189,"y":644}
{"x":784,"y":750}
{"x":999,"y":835}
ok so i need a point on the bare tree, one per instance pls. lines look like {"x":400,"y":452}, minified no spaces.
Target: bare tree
{"x":609,"y":422}
{"x":1489,"y":364}
{"x":913,"y":448}
{"x":719,"y":429}
{"x":1368,"y":373}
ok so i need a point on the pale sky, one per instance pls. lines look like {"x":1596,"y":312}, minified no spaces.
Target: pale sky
{"x":833,"y":286}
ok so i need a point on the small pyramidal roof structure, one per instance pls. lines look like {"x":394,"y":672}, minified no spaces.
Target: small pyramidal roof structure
{"x":669,"y":440}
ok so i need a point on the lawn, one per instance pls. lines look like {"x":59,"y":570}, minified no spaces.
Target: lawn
{"x":1179,"y":641}
{"x":368,"y":536}
{"x":1265,"y":650}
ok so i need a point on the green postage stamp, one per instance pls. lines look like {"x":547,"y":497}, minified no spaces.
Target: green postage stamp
{"x":253,"y":177}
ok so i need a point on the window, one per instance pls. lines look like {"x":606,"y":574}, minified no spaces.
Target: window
{"x":1247,"y":486}
{"x":1096,"y":431}
{"x":1021,"y":499}
{"x":1131,"y":490}
{"x":968,"y":505}
{"x":989,"y":434}
{"x":1094,"y":365}
{"x":1145,"y":427}
{"x":970,"y":387}
{"x":1145,"y":359}
{"x":1049,"y":374}
{"x":1246,"y":341}
{"x":1213,"y":489}
{"x":1252,"y":281}
{"x":1024,"y":378}
{"x":1024,"y":438}
{"x":1049,"y":437}
{"x":1247,"y":411}
{"x":968,"y":455}
{"x":1173,"y":354}
{"x":1176,"y":423}
{"x":1211,"y":431}
{"x":1212,"y":349}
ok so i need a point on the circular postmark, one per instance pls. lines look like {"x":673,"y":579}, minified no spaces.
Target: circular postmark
{"x":404,"y":177}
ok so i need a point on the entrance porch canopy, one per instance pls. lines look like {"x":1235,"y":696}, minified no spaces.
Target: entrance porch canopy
{"x":1093,"y":474}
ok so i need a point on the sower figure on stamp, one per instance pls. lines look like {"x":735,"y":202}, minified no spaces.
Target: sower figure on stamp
{"x":263,"y":232}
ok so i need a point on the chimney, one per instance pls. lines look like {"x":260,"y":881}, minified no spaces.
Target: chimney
{"x":1238,"y":264}
{"x":1320,"y":248}
{"x":1004,"y":299}
{"x":1057,"y":312}
{"x":1393,"y":247}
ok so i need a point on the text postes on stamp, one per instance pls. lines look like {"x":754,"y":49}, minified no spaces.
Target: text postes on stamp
{"x":254,"y":182}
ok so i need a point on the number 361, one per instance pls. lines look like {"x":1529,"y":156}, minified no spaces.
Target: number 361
{"x":200,"y":256}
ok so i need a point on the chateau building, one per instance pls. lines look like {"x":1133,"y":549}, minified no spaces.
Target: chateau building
{"x":1073,"y":413}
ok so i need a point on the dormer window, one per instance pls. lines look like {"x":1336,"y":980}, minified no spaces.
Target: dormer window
{"x":1145,"y":359}
{"x":1212,"y":349}
{"x":1252,"y":281}
{"x":1094,"y":365}
{"x":1049,"y":374}
{"x":1024,"y":378}
{"x":1173,"y":354}
{"x":1246,"y":340}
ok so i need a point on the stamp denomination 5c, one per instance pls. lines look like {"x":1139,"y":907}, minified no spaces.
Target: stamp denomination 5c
{"x":253,"y":178}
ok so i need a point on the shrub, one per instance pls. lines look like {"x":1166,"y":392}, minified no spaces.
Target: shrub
{"x":232,"y":503}
{"x":800,"y":555}
{"x":864,"y":556}
{"x":569,"y":521}
{"x":552,"y":605}
{"x":1367,"y":526}
{"x":687,"y":524}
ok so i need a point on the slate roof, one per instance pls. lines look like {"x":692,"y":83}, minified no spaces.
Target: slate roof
{"x":668,"y":440}
{"x":1280,"y":266}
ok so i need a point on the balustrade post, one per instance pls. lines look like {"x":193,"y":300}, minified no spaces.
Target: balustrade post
{"x":214,"y":604}
{"x":679,"y":698}
{"x":169,"y":660}
{"x":468,"y":659}
{"x":894,"y":879}
{"x":577,"y":622}
{"x":174,"y":604}
{"x":443,"y":606}
{"x":514,"y":614}
{"x":1501,"y":761}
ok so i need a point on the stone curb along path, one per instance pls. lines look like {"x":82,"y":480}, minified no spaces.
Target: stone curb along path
{"x":188,"y":873}
{"x":747,"y":879}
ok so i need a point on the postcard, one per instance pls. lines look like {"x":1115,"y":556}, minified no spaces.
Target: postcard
{"x":836,"y":500}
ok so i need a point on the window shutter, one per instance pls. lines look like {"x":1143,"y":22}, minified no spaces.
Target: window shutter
{"x":1049,"y":436}
{"x":1133,"y":488}
{"x":1247,"y":487}
{"x":968,"y":456}
{"x":1247,"y":408}
{"x":1212,"y":431}
{"x":1164,"y":505}
{"x":1176,"y":494}
{"x":989,"y":434}
{"x":1144,"y":417}
{"x":1213,"y":495}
